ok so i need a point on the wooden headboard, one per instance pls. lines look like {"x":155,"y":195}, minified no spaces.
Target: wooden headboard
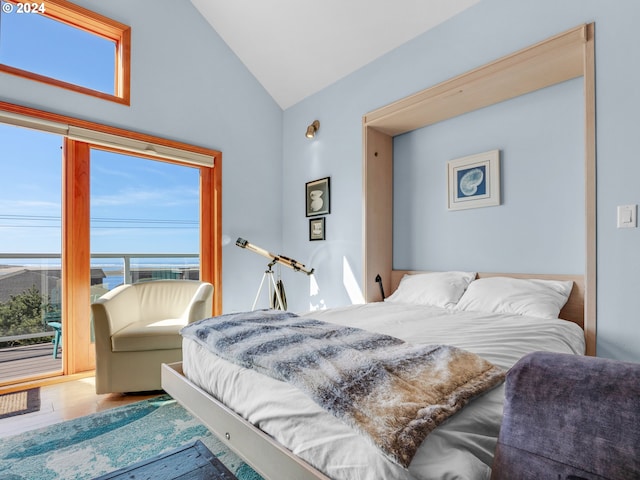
{"x":572,"y":311}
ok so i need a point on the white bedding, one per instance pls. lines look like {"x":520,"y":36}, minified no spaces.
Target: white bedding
{"x":461,"y":448}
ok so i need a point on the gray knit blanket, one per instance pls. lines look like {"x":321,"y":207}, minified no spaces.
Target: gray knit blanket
{"x":391,"y":391}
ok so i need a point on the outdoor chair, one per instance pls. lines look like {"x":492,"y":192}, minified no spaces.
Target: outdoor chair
{"x":137,"y":328}
{"x":53,"y":319}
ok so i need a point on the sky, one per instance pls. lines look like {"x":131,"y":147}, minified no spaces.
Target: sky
{"x":39,"y":44}
{"x":137,"y":205}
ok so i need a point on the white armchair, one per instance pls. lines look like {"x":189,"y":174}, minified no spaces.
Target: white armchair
{"x":137,"y":328}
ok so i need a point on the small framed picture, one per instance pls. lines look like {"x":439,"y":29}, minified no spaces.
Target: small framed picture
{"x":318,"y":196}
{"x":474,"y":181}
{"x":316,"y":228}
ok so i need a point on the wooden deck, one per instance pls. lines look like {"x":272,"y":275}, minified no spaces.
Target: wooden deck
{"x":29,"y":361}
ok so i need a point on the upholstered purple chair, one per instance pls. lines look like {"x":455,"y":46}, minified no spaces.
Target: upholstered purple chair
{"x":568,"y":417}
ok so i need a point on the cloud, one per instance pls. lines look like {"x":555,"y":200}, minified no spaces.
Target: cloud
{"x":20,"y":207}
{"x":114,"y":172}
{"x":174,"y":196}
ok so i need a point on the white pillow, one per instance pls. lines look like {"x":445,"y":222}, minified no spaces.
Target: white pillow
{"x":439,"y":289}
{"x":531,"y":297}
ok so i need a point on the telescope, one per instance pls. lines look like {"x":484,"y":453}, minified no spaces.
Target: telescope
{"x":276,"y":290}
{"x":281,"y":259}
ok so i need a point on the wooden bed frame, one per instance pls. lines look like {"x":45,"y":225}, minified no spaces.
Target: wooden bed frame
{"x":557,"y":59}
{"x":562,"y":57}
{"x":259,"y":450}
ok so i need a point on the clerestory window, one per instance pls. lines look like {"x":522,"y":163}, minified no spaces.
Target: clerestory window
{"x":62,"y":44}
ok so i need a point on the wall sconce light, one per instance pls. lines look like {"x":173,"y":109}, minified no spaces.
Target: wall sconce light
{"x":312,"y":129}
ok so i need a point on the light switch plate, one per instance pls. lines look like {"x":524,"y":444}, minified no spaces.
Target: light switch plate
{"x":627,"y":216}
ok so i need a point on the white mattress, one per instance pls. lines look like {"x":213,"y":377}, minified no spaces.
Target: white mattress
{"x":460,"y":448}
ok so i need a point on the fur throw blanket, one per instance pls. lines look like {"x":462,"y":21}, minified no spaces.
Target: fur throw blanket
{"x":391,"y":391}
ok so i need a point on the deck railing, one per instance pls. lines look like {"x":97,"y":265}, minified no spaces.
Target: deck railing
{"x":21,"y":275}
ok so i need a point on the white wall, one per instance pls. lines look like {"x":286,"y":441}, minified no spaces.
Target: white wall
{"x":487,"y":31}
{"x":187,"y":85}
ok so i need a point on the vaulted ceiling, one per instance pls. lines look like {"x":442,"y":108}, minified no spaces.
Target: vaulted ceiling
{"x":296,"y":48}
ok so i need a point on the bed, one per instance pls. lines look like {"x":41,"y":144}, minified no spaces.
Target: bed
{"x":283,"y":434}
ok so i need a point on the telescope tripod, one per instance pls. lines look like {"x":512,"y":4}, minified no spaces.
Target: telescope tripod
{"x":271,"y":284}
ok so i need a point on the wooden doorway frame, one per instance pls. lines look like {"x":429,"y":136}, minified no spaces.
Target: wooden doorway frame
{"x":76,"y":253}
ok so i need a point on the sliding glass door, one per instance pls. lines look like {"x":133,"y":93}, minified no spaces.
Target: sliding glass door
{"x":84,"y":208}
{"x":30,"y":254}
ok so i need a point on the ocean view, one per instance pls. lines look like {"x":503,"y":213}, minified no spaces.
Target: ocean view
{"x":113,"y":278}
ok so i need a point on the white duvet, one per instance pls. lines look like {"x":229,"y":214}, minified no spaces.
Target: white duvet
{"x":460,"y":448}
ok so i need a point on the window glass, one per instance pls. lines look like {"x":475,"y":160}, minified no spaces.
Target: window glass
{"x":144,"y":220}
{"x":42,"y":45}
{"x":30,"y":247}
{"x":30,"y":197}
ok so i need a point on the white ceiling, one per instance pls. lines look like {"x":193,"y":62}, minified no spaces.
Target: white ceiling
{"x":296,"y":48}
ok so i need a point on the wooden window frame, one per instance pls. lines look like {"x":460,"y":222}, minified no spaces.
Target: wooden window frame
{"x":96,"y":24}
{"x":80,"y":355}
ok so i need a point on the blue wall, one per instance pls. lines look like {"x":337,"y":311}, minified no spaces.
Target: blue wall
{"x":539,"y":226}
{"x":540,"y":136}
{"x":187,"y":85}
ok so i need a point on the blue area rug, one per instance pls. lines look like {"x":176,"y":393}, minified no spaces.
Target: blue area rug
{"x":100,"y":443}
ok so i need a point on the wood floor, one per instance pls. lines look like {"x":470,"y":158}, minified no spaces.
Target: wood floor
{"x":64,"y":401}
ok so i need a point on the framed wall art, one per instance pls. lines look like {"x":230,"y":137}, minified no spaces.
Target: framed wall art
{"x":474,"y":181}
{"x":318,"y":197}
{"x":316,"y":229}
